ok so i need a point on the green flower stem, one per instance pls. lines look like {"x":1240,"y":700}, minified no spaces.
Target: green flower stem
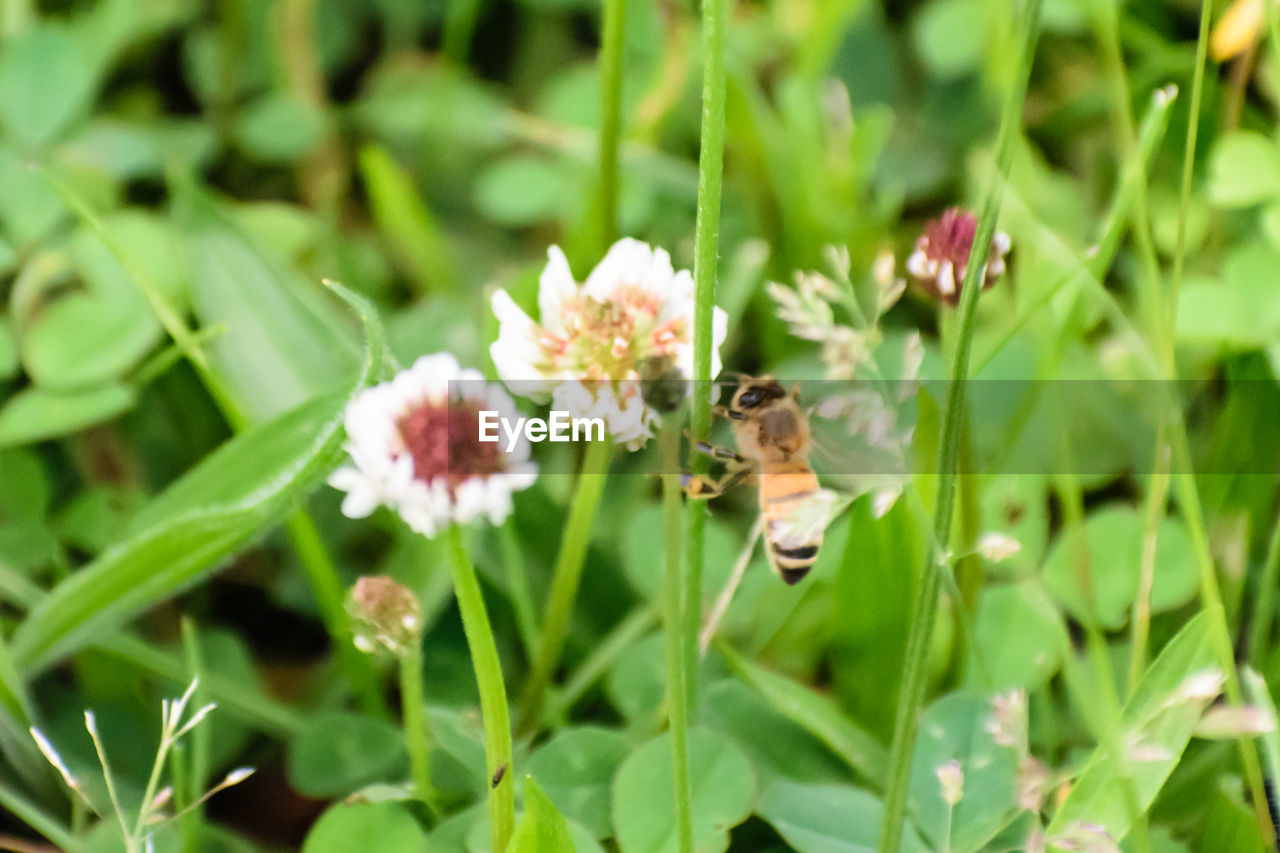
{"x":612,"y":42}
{"x":414,"y":711}
{"x":674,"y":625}
{"x":706,"y":252}
{"x":565,"y":579}
{"x":920,"y":634}
{"x":493,"y":693}
{"x":322,"y":574}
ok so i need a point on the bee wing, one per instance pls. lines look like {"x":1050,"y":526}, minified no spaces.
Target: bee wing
{"x":860,"y":443}
{"x":805,"y":523}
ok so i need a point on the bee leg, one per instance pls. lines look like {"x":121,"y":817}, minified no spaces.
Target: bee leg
{"x":715,"y":451}
{"x":702,"y":487}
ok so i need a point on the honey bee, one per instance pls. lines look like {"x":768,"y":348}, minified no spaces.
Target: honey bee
{"x":773,"y":438}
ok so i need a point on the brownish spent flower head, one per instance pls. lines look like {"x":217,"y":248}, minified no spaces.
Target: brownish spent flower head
{"x":941,"y":256}
{"x":385,"y":613}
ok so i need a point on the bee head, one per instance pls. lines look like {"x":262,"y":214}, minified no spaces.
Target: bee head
{"x":756,"y":392}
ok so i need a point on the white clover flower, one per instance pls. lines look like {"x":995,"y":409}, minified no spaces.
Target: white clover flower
{"x":586,"y":352}
{"x":414,"y":442}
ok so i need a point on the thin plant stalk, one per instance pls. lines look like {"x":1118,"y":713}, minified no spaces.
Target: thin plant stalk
{"x":612,"y":43}
{"x":1157,"y":498}
{"x":1184,"y":483}
{"x":1106,"y":712}
{"x":706,"y":252}
{"x":1107,"y":30}
{"x":565,"y":579}
{"x":199,"y":739}
{"x":924,"y":616}
{"x":460,"y":21}
{"x":613,"y":644}
{"x":721,"y":606}
{"x":414,"y":711}
{"x":493,"y":692}
{"x":674,"y":624}
{"x":1264,"y":602}
{"x":322,"y":575}
{"x":518,"y":585}
{"x":1189,"y":156}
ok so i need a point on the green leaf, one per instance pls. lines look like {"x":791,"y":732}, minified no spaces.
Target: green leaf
{"x":36,"y":415}
{"x":92,"y":521}
{"x":1244,"y":169}
{"x":279,"y":128}
{"x":47,"y":77}
{"x":16,"y":719}
{"x":776,"y":744}
{"x":827,"y":818}
{"x":8,"y":351}
{"x":1242,"y":309}
{"x":1228,"y":824}
{"x":338,"y":752}
{"x":724,"y":792}
{"x":29,"y":208}
{"x":1161,"y":715}
{"x":881,"y":559}
{"x":283,"y":344}
{"x":1113,"y":536}
{"x":366,"y":826}
{"x":521,"y":190}
{"x":1020,"y":635}
{"x":635,"y":683}
{"x":816,"y":713}
{"x":955,"y":729}
{"x":249,"y":484}
{"x":24,"y":488}
{"x":95,"y":334}
{"x":951,"y":35}
{"x":575,"y":769}
{"x":1259,"y":695}
{"x":405,"y":220}
{"x":542,"y":829}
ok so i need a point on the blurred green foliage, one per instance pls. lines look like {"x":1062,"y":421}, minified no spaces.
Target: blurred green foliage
{"x":212,"y":163}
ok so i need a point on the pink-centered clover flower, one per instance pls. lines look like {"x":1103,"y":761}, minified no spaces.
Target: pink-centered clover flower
{"x":587,"y":352}
{"x":942,"y":252}
{"x":414,"y":447}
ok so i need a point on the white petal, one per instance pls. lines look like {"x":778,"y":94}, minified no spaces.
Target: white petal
{"x":918,"y":264}
{"x":626,"y":263}
{"x":946,"y":279}
{"x":556,"y":285}
{"x":360,"y":503}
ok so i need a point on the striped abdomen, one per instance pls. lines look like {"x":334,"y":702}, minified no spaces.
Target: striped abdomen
{"x":784,"y":491}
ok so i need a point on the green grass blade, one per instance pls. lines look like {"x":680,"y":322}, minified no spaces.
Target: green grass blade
{"x":816,"y":713}
{"x":248,"y":485}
